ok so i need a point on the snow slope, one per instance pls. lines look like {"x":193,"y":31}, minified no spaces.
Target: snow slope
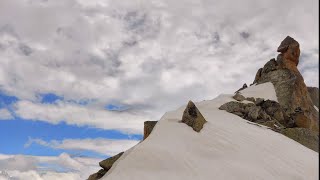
{"x":227,"y":148}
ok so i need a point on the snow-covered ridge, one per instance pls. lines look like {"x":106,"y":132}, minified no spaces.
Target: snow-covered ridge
{"x":228,"y":147}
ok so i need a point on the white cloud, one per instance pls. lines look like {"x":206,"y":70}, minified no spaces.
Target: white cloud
{"x":75,"y":114}
{"x":150,"y":55}
{"x":107,"y":147}
{"x":5,"y":114}
{"x":46,"y":168}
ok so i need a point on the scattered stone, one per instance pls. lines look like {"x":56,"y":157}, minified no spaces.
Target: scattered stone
{"x":253,"y":112}
{"x":252,"y":99}
{"x":148,"y":127}
{"x":304,"y":136}
{"x":97,"y":175}
{"x":238,"y":97}
{"x":107,"y":163}
{"x":192,"y":117}
{"x":259,"y":101}
{"x":243,"y":87}
{"x":232,"y":106}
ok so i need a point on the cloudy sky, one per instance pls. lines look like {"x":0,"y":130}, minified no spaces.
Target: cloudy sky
{"x":78,"y":78}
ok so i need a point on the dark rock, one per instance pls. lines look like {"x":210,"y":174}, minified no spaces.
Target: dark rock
{"x":148,"y":127}
{"x":283,"y":47}
{"x":192,"y":117}
{"x":238,"y":97}
{"x":97,"y":175}
{"x":232,"y":107}
{"x":304,"y":136}
{"x":258,"y":76}
{"x":271,"y":65}
{"x":252,"y":99}
{"x":314,"y":95}
{"x":107,"y":163}
{"x":259,"y":101}
{"x":243,"y":87}
{"x":253,"y":112}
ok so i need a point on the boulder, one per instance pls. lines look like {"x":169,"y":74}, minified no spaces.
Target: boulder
{"x":252,"y":99}
{"x":232,"y":107}
{"x":243,"y":87}
{"x":148,"y":127}
{"x":193,"y":118}
{"x":107,"y":163}
{"x":238,"y":97}
{"x":259,"y":101}
{"x":97,"y":175}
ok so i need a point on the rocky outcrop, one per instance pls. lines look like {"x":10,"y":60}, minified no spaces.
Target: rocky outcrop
{"x":304,"y":136}
{"x":106,"y":165}
{"x":314,"y":95}
{"x":238,"y":97}
{"x":148,"y":127}
{"x":292,"y":93}
{"x":192,"y":117}
{"x":267,"y":112}
{"x":97,"y":175}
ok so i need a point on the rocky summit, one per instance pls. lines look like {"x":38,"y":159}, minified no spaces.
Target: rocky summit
{"x":292,"y":92}
{"x":292,"y":111}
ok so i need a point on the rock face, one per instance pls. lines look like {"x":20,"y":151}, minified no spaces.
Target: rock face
{"x":314,"y":95}
{"x":192,"y":117}
{"x":267,"y":112}
{"x":304,"y":136}
{"x":148,"y":127}
{"x":97,"y":175}
{"x":292,"y":93}
{"x":106,"y":165}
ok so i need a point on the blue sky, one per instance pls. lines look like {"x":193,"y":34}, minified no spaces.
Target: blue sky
{"x":15,"y":133}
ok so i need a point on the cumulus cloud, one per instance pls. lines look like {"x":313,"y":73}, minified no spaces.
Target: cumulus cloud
{"x":75,"y":114}
{"x":107,"y":147}
{"x":5,"y":114}
{"x":150,"y":55}
{"x":21,"y":167}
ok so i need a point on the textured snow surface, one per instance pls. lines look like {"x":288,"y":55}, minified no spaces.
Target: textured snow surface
{"x":265,"y":90}
{"x":227,"y":148}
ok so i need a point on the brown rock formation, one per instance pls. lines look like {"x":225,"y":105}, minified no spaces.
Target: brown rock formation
{"x":192,"y":117}
{"x":148,"y":127}
{"x":289,"y":84}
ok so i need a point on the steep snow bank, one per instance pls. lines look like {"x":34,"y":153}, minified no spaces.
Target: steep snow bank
{"x":228,"y":147}
{"x":265,"y":90}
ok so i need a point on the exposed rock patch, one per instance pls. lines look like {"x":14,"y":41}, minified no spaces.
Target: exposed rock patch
{"x":262,"y":112}
{"x":238,"y":97}
{"x":243,"y":87}
{"x":304,"y":136}
{"x":97,"y":175}
{"x":192,"y":117}
{"x":148,"y":127}
{"x":106,"y":165}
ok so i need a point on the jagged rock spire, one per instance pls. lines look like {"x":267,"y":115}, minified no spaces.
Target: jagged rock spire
{"x":292,"y":92}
